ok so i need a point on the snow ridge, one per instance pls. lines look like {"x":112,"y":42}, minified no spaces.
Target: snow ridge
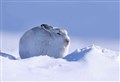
{"x":7,"y":56}
{"x":80,"y":53}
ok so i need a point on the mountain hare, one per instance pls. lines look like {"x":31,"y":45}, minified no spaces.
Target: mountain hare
{"x":44,"y":40}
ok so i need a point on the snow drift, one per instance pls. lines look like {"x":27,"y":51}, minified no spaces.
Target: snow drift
{"x":92,"y":63}
{"x":7,"y":56}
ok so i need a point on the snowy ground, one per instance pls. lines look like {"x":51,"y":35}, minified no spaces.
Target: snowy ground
{"x":91,"y":63}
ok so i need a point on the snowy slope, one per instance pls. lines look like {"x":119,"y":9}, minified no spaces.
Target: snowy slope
{"x":94,"y":51}
{"x":87,"y":64}
{"x":7,"y":56}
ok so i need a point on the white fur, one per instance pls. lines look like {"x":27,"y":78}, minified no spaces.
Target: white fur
{"x":41,"y":41}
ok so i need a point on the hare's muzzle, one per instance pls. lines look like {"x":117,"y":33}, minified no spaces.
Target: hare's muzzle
{"x":67,"y":41}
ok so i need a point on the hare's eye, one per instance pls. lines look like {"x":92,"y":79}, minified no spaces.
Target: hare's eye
{"x":58,"y":33}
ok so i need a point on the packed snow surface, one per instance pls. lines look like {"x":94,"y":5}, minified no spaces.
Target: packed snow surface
{"x":92,"y":63}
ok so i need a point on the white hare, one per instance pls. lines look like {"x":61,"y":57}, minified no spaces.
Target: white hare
{"x":44,"y":40}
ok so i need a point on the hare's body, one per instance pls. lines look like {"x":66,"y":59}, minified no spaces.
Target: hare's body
{"x":43,"y":40}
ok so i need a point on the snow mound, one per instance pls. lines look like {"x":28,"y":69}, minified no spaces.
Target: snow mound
{"x":7,"y":56}
{"x":92,"y":63}
{"x":93,"y":50}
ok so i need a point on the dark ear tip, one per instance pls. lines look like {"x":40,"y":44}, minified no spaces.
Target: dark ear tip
{"x":46,"y":26}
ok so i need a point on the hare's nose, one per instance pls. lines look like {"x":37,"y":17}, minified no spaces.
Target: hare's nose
{"x":67,"y":40}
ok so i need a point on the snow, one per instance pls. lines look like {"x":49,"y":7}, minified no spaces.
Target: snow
{"x":7,"y":56}
{"x":91,"y":63}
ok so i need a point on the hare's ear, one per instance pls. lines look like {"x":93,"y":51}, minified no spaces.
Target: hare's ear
{"x":46,"y":26}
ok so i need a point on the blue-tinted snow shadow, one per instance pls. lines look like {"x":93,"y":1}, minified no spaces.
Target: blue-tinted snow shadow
{"x":7,"y":56}
{"x":75,"y":56}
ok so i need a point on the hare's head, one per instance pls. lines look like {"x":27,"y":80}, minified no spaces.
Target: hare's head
{"x":62,"y":36}
{"x":59,"y":35}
